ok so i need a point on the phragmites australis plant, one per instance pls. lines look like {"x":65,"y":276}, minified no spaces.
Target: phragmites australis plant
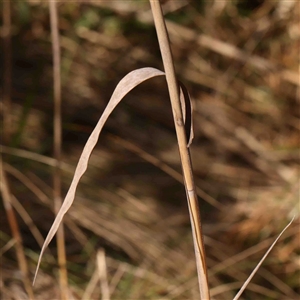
{"x":207,"y":262}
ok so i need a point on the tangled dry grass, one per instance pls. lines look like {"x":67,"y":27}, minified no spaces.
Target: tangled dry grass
{"x":240,"y":60}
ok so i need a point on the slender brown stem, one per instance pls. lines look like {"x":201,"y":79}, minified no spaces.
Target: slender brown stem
{"x":183,"y":149}
{"x":61,"y":252}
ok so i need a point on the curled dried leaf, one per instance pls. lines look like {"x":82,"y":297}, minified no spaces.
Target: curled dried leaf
{"x":187,"y":112}
{"x":130,"y":81}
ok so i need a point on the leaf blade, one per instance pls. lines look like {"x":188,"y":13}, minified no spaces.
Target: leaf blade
{"x":127,"y":83}
{"x":237,"y":296}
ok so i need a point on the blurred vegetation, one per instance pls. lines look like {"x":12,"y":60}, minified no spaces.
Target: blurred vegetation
{"x":239,"y":60}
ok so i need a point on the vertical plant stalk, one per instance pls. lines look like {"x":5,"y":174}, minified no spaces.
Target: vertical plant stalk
{"x":194,"y":210}
{"x":60,"y":239}
{"x":102,"y":273}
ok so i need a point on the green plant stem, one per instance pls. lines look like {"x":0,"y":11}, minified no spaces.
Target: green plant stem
{"x":194,"y":210}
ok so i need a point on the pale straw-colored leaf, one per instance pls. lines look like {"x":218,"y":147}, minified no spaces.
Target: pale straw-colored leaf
{"x":261,"y":261}
{"x":129,"y":82}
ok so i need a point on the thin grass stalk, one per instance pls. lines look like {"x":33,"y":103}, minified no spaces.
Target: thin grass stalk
{"x":102,"y":273}
{"x":14,"y":227}
{"x":244,"y":286}
{"x":61,"y":251}
{"x":194,"y":210}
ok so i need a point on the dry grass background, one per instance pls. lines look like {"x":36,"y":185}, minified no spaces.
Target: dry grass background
{"x":240,"y":62}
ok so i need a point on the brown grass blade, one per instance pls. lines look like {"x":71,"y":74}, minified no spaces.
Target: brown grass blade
{"x":129,"y":82}
{"x":261,"y":261}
